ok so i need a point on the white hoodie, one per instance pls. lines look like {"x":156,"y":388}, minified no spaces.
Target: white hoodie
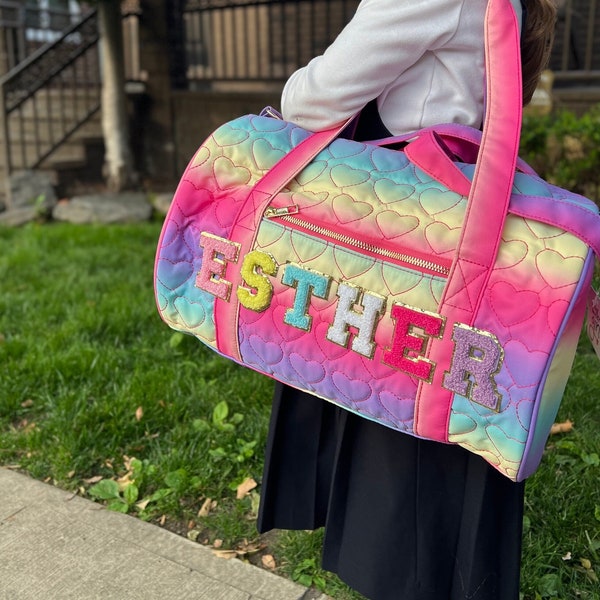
{"x":422,"y":59}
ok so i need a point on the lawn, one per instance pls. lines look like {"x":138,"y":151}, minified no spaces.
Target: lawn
{"x":98,"y":396}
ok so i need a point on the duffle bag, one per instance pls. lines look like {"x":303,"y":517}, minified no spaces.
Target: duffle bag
{"x":430,"y":282}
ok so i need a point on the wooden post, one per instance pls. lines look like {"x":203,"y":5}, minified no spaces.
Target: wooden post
{"x":118,"y":159}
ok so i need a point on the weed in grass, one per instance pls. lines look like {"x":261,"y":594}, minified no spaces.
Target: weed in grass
{"x":117,"y":499}
{"x":126,"y":493}
{"x":228,"y":451}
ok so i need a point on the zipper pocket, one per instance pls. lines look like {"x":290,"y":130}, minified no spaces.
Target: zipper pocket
{"x":287,"y":214}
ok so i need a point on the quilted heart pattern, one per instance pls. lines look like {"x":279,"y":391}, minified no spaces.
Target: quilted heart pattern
{"x":355,"y":244}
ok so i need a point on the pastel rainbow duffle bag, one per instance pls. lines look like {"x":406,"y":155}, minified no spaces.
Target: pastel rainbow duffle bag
{"x":432,"y":282}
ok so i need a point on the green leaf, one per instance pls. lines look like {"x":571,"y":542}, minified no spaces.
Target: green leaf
{"x":200,"y":425}
{"x":160,"y":494}
{"x":131,"y":493}
{"x":237,"y":418}
{"x":567,"y":445}
{"x":217,"y":453}
{"x":176,"y":339}
{"x":136,"y":466}
{"x":118,"y":506}
{"x":597,"y":512}
{"x":548,"y":585}
{"x":220,"y":412}
{"x":106,"y":489}
{"x":305,"y":580}
{"x":176,"y":480}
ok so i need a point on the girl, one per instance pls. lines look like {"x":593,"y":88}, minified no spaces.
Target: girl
{"x":404,"y":518}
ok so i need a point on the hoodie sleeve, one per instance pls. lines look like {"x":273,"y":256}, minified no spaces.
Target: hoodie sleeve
{"x":383,"y":39}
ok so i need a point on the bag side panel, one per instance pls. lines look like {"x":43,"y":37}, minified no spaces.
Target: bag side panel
{"x":537,"y":274}
{"x":547,"y":405}
{"x":208,"y":197}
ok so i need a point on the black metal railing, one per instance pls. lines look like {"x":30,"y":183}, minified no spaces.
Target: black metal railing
{"x":26,"y":27}
{"x":576,"y":52}
{"x":266,"y":40}
{"x":49,"y":96}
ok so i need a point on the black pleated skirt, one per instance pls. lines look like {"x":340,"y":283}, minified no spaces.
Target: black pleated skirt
{"x":404,"y":518}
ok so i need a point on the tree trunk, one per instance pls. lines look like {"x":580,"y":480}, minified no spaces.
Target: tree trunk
{"x":118,"y":163}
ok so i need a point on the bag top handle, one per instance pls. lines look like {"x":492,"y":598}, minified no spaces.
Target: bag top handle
{"x":494,"y":171}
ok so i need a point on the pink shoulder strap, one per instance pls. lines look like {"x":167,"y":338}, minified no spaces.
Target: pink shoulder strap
{"x":487,"y":206}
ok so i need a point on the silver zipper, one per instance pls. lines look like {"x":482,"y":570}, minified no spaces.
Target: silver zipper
{"x":286,"y":213}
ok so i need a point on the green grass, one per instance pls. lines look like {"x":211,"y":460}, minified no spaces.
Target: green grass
{"x":93,"y":385}
{"x":83,"y":348}
{"x":561,"y":544}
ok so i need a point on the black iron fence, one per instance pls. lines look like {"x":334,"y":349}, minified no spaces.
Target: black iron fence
{"x":53,"y":84}
{"x":257,"y":40}
{"x":576,"y":52}
{"x":266,"y":40}
{"x":49,"y":95}
{"x":215,"y":42}
{"x":25,"y":27}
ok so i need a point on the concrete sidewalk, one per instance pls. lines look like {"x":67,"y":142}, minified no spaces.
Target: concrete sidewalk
{"x":56,"y":546}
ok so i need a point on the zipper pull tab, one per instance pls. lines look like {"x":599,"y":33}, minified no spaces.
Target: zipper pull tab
{"x":269,"y":111}
{"x":272,"y":211}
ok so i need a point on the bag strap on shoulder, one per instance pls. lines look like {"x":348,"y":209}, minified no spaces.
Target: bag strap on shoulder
{"x":486,"y":209}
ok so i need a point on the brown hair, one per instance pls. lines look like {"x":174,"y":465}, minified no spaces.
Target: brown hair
{"x":536,"y":43}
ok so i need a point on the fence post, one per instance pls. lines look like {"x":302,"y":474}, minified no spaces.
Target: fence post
{"x":5,"y":146}
{"x":4,"y":60}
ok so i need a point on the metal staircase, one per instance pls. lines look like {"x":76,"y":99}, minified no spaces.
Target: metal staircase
{"x":49,"y":108}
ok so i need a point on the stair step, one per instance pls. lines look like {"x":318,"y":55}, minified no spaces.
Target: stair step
{"x":67,"y":153}
{"x":56,"y":102}
{"x":51,"y":131}
{"x":43,"y":131}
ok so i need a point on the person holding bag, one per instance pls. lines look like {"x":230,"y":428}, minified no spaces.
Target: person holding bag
{"x":405,"y":518}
